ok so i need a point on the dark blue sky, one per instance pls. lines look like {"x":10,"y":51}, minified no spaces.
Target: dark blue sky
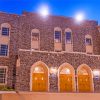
{"x":91,"y":8}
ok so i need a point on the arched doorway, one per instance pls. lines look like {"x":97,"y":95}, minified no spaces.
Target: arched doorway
{"x":39,"y":77}
{"x":66,"y":79}
{"x":84,"y":78}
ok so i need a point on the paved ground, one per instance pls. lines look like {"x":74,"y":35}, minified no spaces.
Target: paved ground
{"x":4,"y":92}
{"x":48,"y":96}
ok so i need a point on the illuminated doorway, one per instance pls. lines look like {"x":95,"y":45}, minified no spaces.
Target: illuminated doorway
{"x":84,"y":78}
{"x":39,"y":77}
{"x":66,"y":80}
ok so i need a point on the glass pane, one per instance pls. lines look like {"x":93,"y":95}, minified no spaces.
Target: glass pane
{"x":38,"y":69}
{"x":57,"y":36}
{"x":5,"y":31}
{"x":68,"y":37}
{"x":88,"y":41}
{"x":35,"y":36}
{"x":4,"y":50}
{"x":2,"y":75}
{"x":65,"y":71}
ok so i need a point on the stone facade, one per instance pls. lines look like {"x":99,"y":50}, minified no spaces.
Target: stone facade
{"x":51,"y":60}
{"x":20,"y":47}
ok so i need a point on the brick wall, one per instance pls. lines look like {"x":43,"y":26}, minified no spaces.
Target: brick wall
{"x":20,"y":38}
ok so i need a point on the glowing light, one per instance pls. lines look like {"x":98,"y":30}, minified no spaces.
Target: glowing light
{"x":96,"y":73}
{"x":43,"y":10}
{"x":53,"y":70}
{"x":36,"y":69}
{"x":79,"y":17}
{"x":67,"y":71}
{"x":42,"y":78}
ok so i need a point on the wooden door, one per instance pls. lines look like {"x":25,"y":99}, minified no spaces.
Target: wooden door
{"x":84,"y":83}
{"x":65,"y":83}
{"x":39,"y":82}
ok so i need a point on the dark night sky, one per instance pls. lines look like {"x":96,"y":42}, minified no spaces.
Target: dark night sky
{"x":91,"y":8}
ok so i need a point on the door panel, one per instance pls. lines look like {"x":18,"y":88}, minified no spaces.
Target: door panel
{"x":65,"y":83}
{"x":84,"y":83}
{"x":39,"y":82}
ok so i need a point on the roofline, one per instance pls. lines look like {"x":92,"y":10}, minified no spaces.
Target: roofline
{"x":35,"y":13}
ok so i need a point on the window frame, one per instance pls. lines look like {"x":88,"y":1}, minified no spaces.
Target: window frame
{"x":59,"y":40}
{"x":87,"y":45}
{"x":69,"y":43}
{"x":6,"y":25}
{"x":8,"y":31}
{"x":5,"y":51}
{"x":34,"y":35}
{"x":66,"y":41}
{"x":5,"y":67}
{"x":68,"y":30}
{"x":90,"y":42}
{"x":58,"y":29}
{"x":36,"y":31}
{"x":60,"y":43}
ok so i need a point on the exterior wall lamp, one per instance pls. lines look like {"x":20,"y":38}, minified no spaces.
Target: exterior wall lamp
{"x":96,"y":73}
{"x":53,"y":70}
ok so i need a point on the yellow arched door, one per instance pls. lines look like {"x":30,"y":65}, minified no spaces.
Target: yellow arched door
{"x":65,"y":80}
{"x":84,"y":83}
{"x":65,"y":83}
{"x":39,"y":80}
{"x":84,"y":80}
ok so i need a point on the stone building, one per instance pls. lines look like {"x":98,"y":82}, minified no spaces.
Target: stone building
{"x":52,"y":54}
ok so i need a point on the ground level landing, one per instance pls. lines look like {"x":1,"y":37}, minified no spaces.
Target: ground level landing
{"x":49,"y":96}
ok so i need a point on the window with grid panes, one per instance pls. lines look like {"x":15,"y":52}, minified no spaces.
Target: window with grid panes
{"x":3,"y":50}
{"x":57,"y":36}
{"x":35,"y":36}
{"x":68,"y":37}
{"x":3,"y":75}
{"x":5,"y":31}
{"x":88,"y":41}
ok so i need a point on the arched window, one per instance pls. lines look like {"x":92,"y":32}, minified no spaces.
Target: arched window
{"x":5,"y":29}
{"x":39,"y":77}
{"x":68,"y":40}
{"x":88,"y":43}
{"x":35,"y":39}
{"x":4,"y":39}
{"x":85,"y":78}
{"x":66,"y":79}
{"x":57,"y":39}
